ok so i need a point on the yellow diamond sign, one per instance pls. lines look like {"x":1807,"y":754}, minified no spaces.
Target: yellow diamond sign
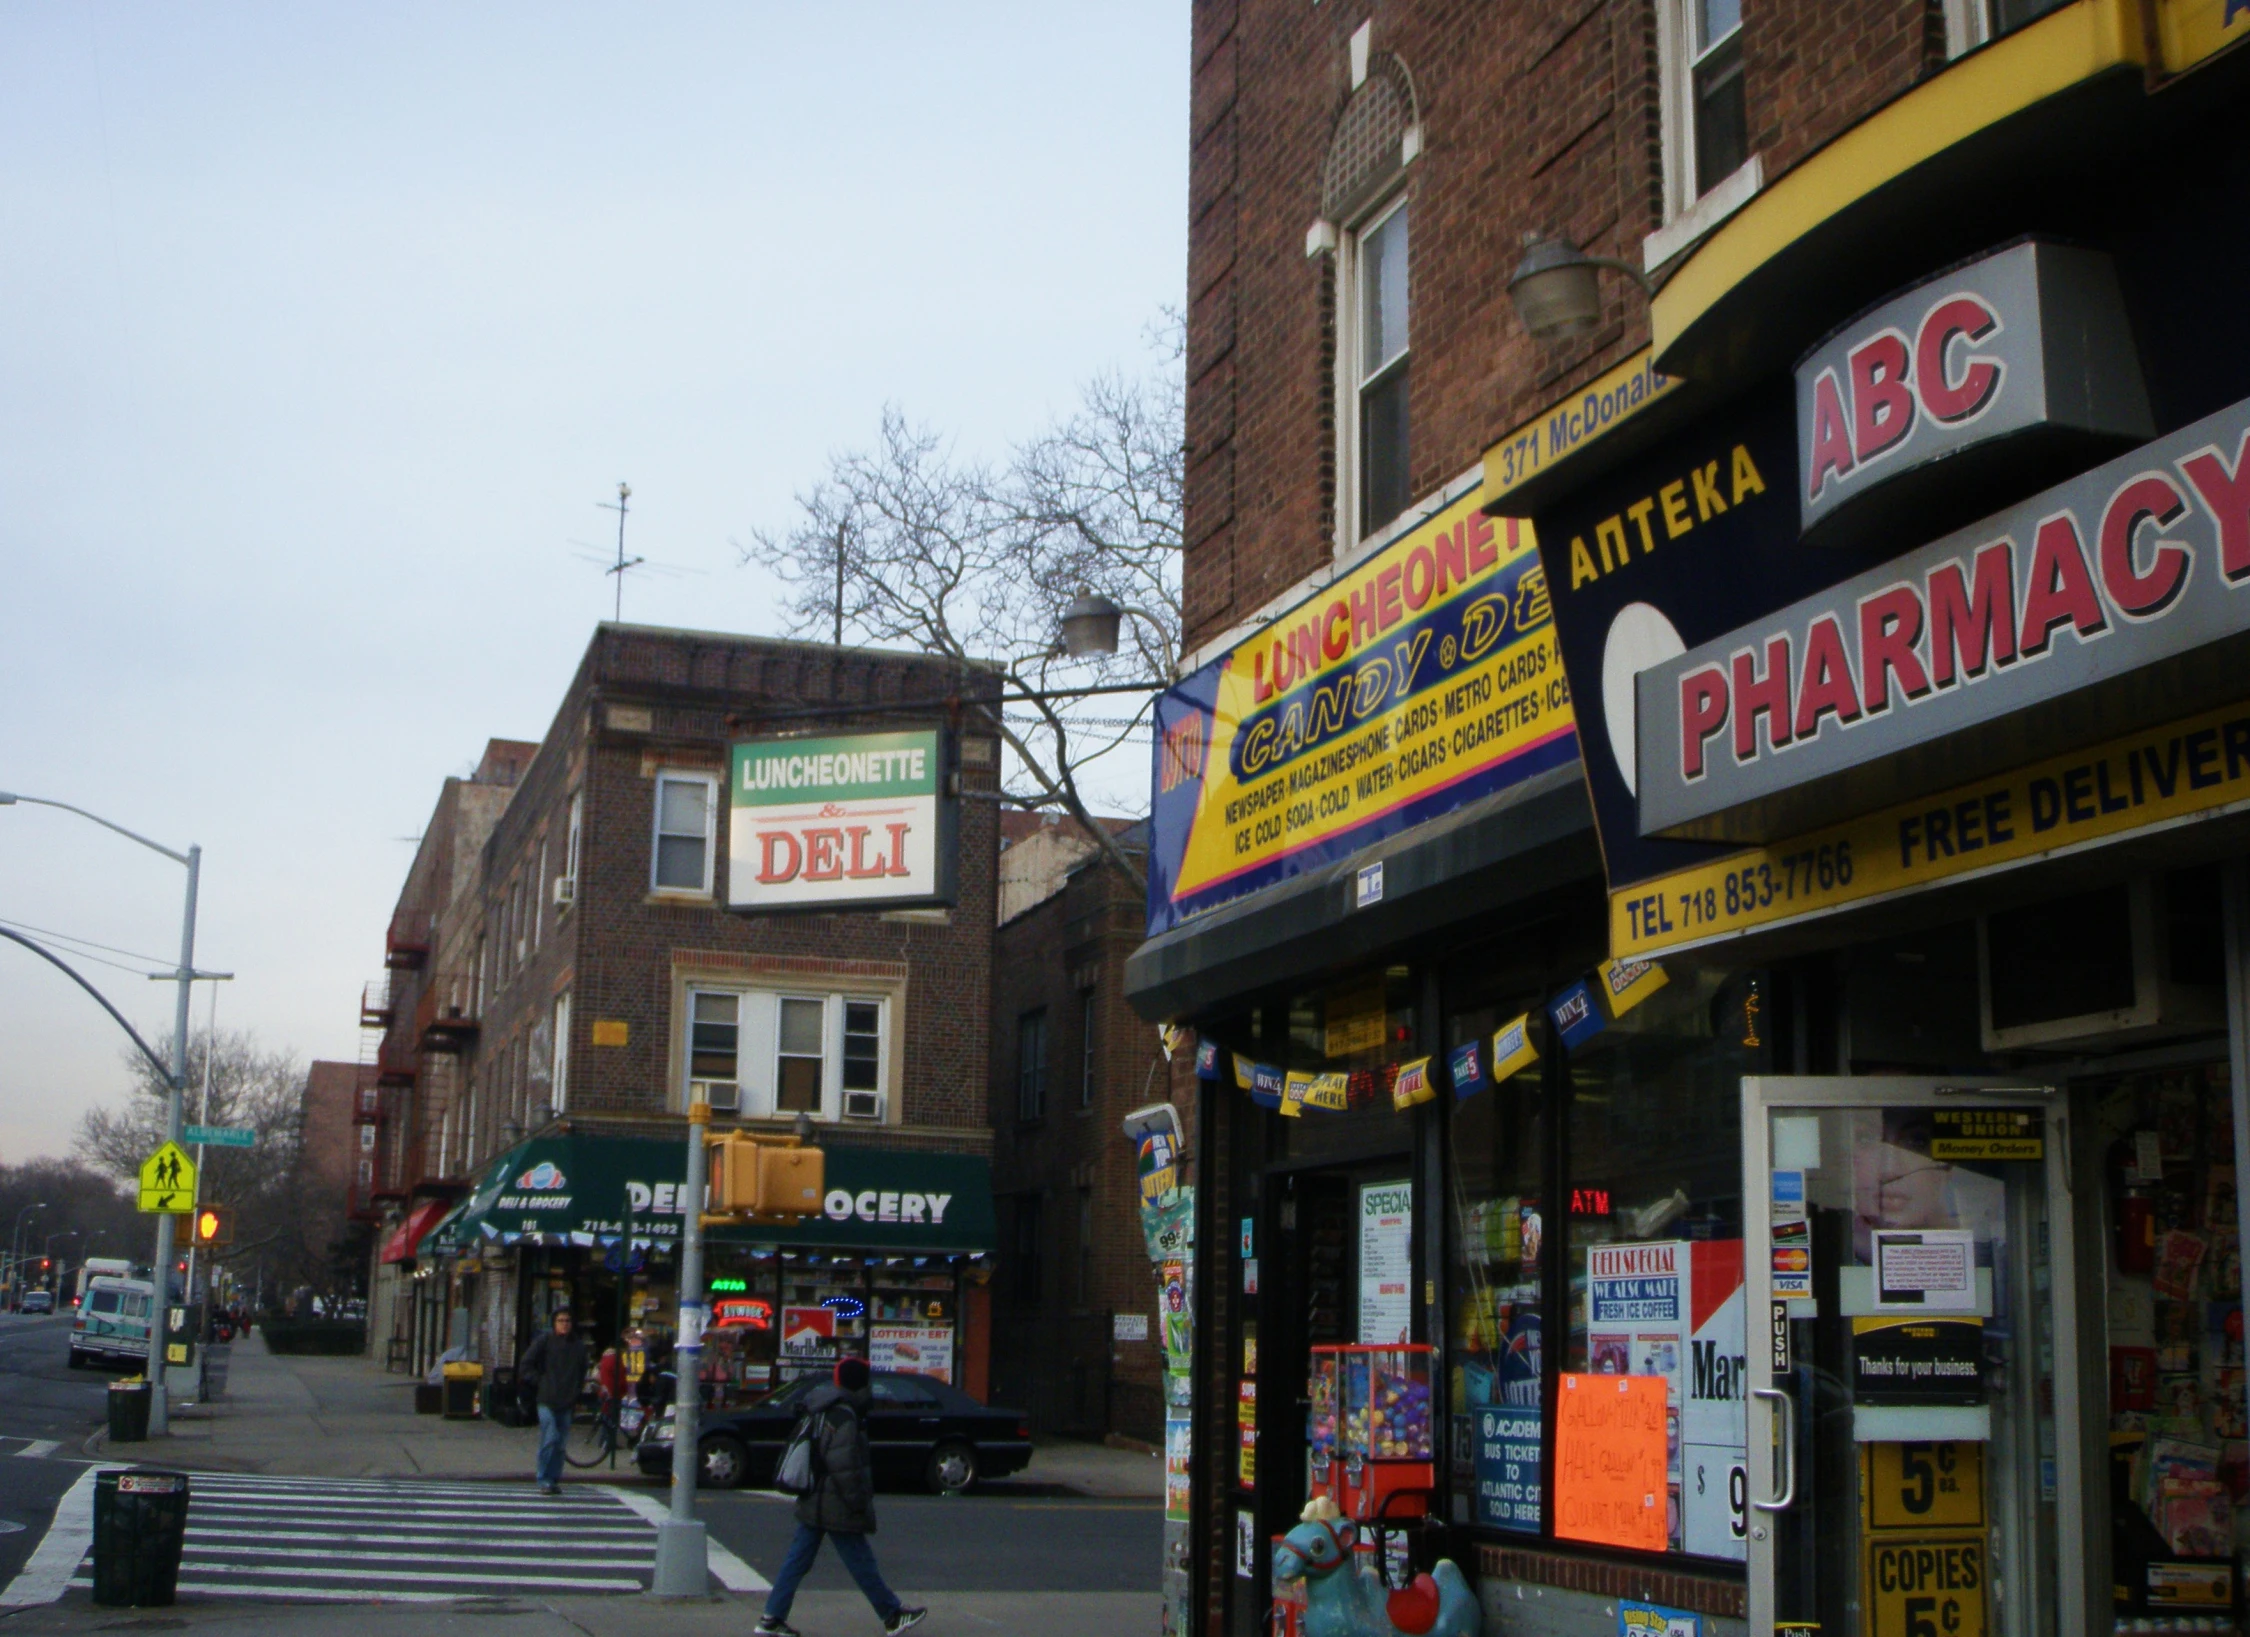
{"x":168,"y":1181}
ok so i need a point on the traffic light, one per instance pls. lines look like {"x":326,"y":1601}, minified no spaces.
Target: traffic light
{"x":44,"y":1264}
{"x":213,"y":1225}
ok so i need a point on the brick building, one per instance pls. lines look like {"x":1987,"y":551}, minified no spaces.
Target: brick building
{"x":565,"y":972}
{"x":1069,"y":1060}
{"x":332,"y":1150}
{"x":1465,"y":511}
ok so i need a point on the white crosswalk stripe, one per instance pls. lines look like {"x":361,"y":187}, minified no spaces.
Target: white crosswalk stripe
{"x":353,"y":1540}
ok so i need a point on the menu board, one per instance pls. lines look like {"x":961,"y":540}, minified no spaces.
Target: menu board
{"x":1386,"y":1262}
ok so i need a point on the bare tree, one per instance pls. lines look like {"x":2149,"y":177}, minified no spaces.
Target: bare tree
{"x":909,"y":543}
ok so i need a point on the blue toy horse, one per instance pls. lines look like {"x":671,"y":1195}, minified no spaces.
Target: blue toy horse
{"x":1342,"y":1602}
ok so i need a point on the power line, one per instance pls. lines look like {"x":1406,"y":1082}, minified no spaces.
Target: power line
{"x":84,"y":943}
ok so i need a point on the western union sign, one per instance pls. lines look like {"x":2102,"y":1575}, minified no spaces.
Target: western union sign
{"x":2199,"y":768}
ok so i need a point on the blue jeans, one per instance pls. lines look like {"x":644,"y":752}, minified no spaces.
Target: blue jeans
{"x":859,"y":1559}
{"x":554,"y":1426}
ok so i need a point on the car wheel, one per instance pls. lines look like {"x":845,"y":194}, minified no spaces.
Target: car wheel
{"x":952,"y":1468}
{"x":725,"y":1462}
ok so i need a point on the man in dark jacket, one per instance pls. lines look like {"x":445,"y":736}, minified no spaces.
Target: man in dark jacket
{"x":841,"y":1503}
{"x":555,"y":1365}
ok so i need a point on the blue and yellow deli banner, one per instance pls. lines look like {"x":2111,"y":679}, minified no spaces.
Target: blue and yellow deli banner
{"x":1413,"y":684}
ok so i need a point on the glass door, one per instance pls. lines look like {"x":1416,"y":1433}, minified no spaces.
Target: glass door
{"x":1914,"y":1394}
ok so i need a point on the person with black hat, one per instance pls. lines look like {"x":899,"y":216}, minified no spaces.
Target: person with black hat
{"x":841,"y":1503}
{"x":555,"y":1365}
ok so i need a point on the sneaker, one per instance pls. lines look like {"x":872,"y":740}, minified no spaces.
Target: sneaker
{"x":905,"y":1618}
{"x":772,"y":1625}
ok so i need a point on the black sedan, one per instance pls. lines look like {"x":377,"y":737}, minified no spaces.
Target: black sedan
{"x":920,"y":1431}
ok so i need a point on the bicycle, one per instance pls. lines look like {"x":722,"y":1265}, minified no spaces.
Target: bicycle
{"x":596,"y":1434}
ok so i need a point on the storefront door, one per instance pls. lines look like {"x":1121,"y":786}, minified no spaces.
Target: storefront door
{"x":1913,"y":1413}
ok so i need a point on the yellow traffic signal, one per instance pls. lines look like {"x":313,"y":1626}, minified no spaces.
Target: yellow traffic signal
{"x":213,"y":1225}
{"x":773,"y":1177}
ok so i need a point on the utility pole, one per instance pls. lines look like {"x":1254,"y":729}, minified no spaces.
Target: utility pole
{"x":160,"y":1314}
{"x":682,"y":1552}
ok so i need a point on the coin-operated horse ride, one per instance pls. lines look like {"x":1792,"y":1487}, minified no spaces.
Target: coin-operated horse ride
{"x":1342,"y":1602}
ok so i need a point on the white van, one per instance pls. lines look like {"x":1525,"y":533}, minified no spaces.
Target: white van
{"x":112,"y":1323}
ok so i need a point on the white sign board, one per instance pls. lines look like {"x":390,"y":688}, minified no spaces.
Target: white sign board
{"x":1386,"y":1262}
{"x":853,"y":821}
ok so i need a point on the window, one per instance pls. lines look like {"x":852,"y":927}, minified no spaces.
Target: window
{"x":1378,"y":362}
{"x":1089,"y":1062}
{"x":539,"y":897}
{"x":445,"y":1145}
{"x":767,"y":1053}
{"x":687,"y":807}
{"x":1971,"y":23}
{"x":562,"y":1052}
{"x":1031,"y":1065}
{"x":715,"y":1048}
{"x":570,"y":848}
{"x":478,"y":1008}
{"x":1027,"y":1271}
{"x":799,"y":1056}
{"x":1706,"y":116}
{"x":1085,"y":1247}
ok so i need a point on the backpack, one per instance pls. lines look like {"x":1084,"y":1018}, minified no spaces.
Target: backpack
{"x":801,"y":1468}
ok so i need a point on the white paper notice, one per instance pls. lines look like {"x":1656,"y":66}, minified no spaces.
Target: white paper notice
{"x":1386,"y":1262}
{"x":1926,"y":1270}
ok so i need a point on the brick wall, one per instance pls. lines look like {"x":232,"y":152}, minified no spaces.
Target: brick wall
{"x":1535,"y":118}
{"x":1072,"y":944}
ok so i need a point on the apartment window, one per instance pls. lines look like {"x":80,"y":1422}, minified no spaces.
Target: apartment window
{"x":478,"y":1009}
{"x":1084,"y":1296}
{"x":1027,"y":1271}
{"x":771,"y":1053}
{"x":1031,"y":1065}
{"x":1089,"y":1072}
{"x":1706,"y":119}
{"x":445,"y":1145}
{"x":800,"y":1054}
{"x":561,"y":1093}
{"x":570,"y":849}
{"x":1971,"y":23}
{"x":519,"y":922}
{"x":715,"y":1048}
{"x":1378,"y":353}
{"x":539,"y":897}
{"x":687,"y":806}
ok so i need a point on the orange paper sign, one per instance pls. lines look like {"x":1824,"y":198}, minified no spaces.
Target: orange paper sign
{"x":1610,"y":1461}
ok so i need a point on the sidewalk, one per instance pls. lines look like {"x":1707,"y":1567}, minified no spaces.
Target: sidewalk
{"x":817,"y":1614}
{"x":294,"y":1416}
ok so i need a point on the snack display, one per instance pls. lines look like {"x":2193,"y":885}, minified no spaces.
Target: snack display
{"x":1387,"y":1404}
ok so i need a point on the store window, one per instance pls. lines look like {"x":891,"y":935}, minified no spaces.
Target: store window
{"x":1031,"y":1065}
{"x":687,"y":807}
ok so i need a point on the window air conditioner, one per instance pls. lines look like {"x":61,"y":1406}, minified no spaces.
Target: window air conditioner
{"x":566,"y":890}
{"x":863,"y":1105}
{"x":2144,"y":959}
{"x":720,"y":1094}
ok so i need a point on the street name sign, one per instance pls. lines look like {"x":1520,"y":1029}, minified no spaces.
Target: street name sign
{"x":168,"y":1181}
{"x":221,"y":1136}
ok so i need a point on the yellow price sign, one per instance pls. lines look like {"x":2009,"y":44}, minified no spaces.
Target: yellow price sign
{"x":1925,"y":1486}
{"x":1926,"y":1585}
{"x":168,"y":1181}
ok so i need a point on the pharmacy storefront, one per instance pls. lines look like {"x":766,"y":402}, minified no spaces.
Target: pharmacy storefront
{"x":1911,"y":644}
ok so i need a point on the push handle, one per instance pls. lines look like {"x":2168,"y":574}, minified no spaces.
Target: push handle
{"x":1786,"y":1409}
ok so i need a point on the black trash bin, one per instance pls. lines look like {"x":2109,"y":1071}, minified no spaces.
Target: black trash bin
{"x":128,"y":1412}
{"x":140,"y":1522}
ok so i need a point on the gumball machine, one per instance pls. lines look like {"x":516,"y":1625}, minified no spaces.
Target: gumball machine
{"x":1322,"y":1422}
{"x":1388,"y":1446}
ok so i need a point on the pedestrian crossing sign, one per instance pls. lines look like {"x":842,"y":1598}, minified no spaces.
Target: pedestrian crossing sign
{"x":168,"y":1181}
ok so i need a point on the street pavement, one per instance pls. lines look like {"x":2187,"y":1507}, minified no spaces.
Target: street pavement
{"x":278,"y":1537}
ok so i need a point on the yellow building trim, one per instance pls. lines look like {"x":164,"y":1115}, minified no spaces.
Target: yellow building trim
{"x":1986,"y":87}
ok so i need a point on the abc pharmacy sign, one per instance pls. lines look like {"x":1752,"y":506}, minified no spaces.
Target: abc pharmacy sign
{"x":852,"y":821}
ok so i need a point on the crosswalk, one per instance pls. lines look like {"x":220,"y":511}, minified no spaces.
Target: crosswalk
{"x":356,"y":1540}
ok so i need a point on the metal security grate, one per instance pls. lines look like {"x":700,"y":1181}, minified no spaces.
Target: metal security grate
{"x":1367,"y":150}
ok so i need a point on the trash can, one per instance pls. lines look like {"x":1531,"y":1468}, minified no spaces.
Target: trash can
{"x":429,"y":1398}
{"x":128,"y":1412}
{"x":461,"y":1383}
{"x":140,"y":1522}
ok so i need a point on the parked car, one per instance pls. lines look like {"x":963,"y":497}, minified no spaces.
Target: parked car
{"x":112,"y":1323}
{"x":918,"y":1430}
{"x":38,"y":1301}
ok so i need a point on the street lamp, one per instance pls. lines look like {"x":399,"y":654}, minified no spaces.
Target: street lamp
{"x":15,"y":1262}
{"x":1556,"y":291}
{"x":159,"y":1416}
{"x":1090,"y":622}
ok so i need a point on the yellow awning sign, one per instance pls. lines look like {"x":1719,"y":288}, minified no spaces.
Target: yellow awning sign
{"x":168,"y":1181}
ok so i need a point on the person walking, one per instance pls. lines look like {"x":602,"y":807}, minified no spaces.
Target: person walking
{"x":555,"y":1365}
{"x":841,"y":1504}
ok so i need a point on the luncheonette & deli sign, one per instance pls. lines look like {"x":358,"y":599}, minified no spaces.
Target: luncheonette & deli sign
{"x":853,"y":821}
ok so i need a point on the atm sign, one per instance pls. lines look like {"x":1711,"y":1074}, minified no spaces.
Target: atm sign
{"x":1929,"y":1586}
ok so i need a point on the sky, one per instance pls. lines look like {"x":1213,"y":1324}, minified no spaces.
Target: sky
{"x":325,"y":333}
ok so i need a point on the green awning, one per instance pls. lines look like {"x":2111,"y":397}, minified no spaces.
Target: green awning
{"x":578,"y":1189}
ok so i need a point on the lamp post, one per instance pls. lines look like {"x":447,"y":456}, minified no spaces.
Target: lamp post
{"x":15,"y":1262}
{"x":159,"y":1417}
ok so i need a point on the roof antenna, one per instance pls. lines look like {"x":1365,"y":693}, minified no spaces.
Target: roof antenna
{"x":618,"y":568}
